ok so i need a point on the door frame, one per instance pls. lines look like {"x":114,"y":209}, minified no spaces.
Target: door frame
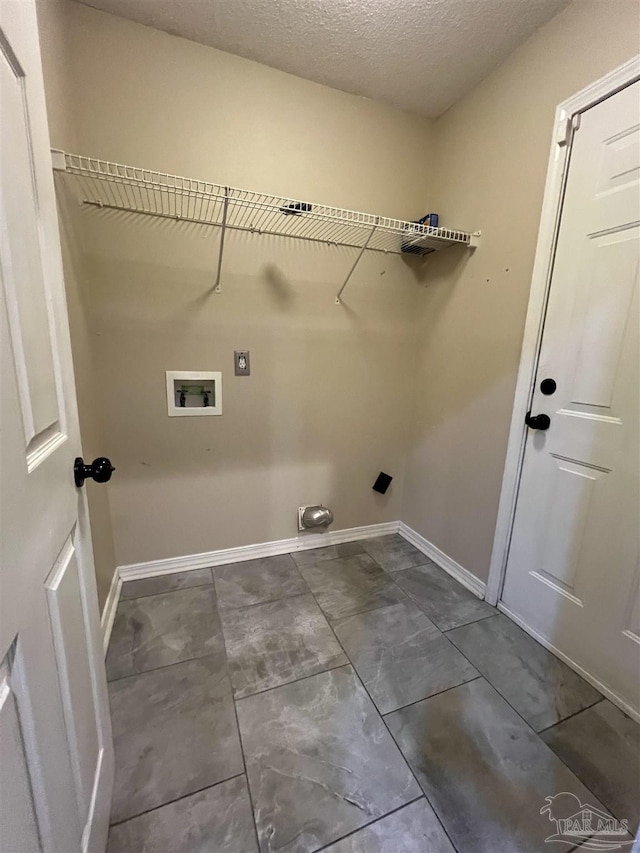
{"x":565,"y":122}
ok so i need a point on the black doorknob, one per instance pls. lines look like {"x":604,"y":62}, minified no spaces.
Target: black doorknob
{"x":537,"y":421}
{"x":100,"y":470}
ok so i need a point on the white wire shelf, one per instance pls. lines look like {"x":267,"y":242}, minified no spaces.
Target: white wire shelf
{"x":103,"y":184}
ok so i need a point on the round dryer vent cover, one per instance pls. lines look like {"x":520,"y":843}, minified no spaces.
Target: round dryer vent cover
{"x":314,"y":516}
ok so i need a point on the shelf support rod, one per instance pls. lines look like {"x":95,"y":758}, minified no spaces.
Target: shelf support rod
{"x":357,"y":260}
{"x":225,"y":207}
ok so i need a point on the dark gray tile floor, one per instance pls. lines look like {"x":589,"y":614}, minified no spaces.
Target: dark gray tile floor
{"x":443,"y":599}
{"x":276,"y":642}
{"x":174,"y":732}
{"x":352,"y":699}
{"x":601,"y":745}
{"x":394,"y":553}
{"x":540,"y":687}
{"x":165,"y":583}
{"x":401,"y":656}
{"x":152,"y":632}
{"x":482,"y":768}
{"x":320,"y":761}
{"x":349,"y":585}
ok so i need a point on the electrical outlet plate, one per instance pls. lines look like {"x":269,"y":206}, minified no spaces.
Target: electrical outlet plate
{"x":241,"y":364}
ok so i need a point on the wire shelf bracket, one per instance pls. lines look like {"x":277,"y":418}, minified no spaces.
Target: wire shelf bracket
{"x":113,"y":186}
{"x":225,"y":207}
{"x":356,"y":262}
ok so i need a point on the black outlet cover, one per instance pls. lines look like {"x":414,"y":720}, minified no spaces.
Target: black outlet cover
{"x":382,"y":483}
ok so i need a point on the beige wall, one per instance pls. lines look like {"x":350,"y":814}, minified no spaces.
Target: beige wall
{"x":54,"y":46}
{"x":491,"y":152}
{"x":327,"y":404}
{"x":334,"y":395}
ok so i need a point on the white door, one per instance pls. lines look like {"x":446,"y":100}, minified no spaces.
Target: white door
{"x":572,"y":572}
{"x":56,"y":755}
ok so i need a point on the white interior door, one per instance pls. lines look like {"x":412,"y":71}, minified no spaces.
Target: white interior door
{"x":56,"y":755}
{"x":572,"y":572}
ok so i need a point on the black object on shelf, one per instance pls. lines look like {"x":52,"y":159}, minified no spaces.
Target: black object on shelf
{"x":430,"y":221}
{"x":296,"y":208}
{"x":382,"y":483}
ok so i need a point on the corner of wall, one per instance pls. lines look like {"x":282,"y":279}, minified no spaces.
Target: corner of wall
{"x":490,"y":156}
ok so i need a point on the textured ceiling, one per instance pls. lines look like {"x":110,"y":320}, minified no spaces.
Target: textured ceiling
{"x":421,"y":55}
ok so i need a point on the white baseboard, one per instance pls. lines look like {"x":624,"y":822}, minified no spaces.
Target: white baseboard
{"x":154,"y":568}
{"x":606,"y":691}
{"x":462,"y":575}
{"x":109,"y":609}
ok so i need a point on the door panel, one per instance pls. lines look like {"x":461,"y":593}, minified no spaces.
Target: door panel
{"x":17,"y":812}
{"x":66,"y":616}
{"x":572,"y":486}
{"x":572,"y":572}
{"x":608,"y":294}
{"x":28,"y":314}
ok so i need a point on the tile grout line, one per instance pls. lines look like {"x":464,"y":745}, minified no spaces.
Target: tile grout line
{"x":348,"y":616}
{"x":367,"y":825}
{"x":442,"y":630}
{"x":215,"y":616}
{"x":439,"y":818}
{"x":526,"y":722}
{"x":571,"y":716}
{"x":431,"y":695}
{"x":384,"y":723}
{"x":122,"y":600}
{"x":235,"y":715}
{"x":350,"y":664}
{"x":537,"y":734}
{"x":330,"y":559}
{"x":214,"y":613}
{"x":382,"y":717}
{"x":294,"y":681}
{"x":424,"y":793}
{"x":163,"y":591}
{"x":389,"y":575}
{"x":562,"y":761}
{"x":244,"y":764}
{"x":513,"y":708}
{"x":260,"y":603}
{"x":175,"y":800}
{"x":473,"y":622}
{"x":493,"y":687}
{"x":157,"y":668}
{"x":364,"y":612}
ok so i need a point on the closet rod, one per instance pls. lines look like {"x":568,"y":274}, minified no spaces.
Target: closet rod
{"x":176,"y":217}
